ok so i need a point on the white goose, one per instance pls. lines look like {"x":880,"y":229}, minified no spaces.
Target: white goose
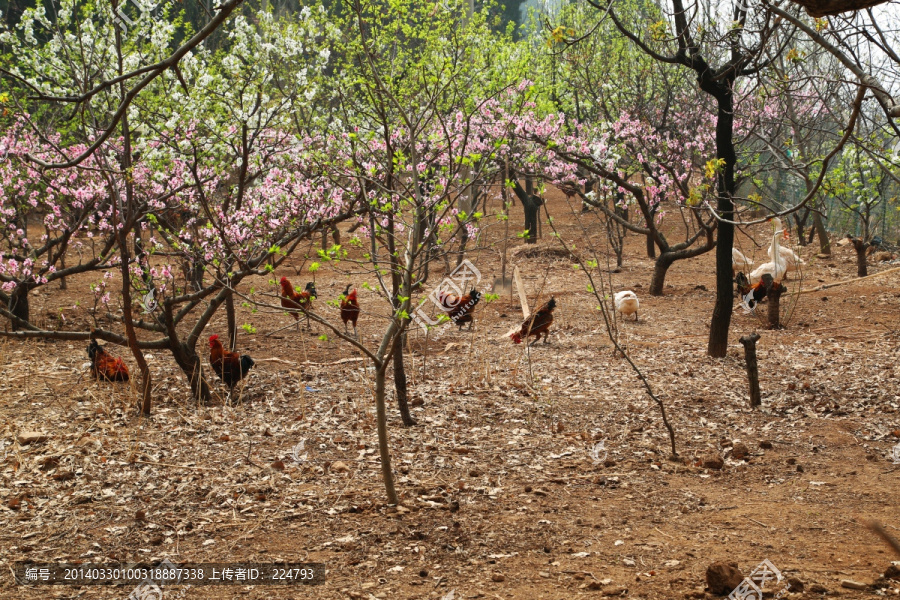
{"x":777,"y":267}
{"x":791,"y":259}
{"x":739,"y":262}
{"x":627,"y":303}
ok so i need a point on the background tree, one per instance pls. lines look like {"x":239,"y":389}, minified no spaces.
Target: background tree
{"x":865,"y":194}
{"x":236,"y":204}
{"x":413,"y":88}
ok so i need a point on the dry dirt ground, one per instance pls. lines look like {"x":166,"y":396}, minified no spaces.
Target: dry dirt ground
{"x":541,"y":473}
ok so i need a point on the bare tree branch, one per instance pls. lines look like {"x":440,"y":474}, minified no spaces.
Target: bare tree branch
{"x":890,"y":106}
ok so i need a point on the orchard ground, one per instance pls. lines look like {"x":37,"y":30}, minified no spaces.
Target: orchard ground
{"x":506,"y":491}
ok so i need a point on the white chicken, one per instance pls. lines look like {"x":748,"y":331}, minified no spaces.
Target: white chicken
{"x":627,"y":303}
{"x":791,"y":259}
{"x":777,"y":267}
{"x":739,"y":262}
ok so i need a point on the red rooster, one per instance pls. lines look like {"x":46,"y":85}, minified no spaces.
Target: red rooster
{"x":537,"y":324}
{"x":350,"y":309}
{"x":292,"y":300}
{"x":104,"y":365}
{"x":229,"y":366}
{"x":751,"y":295}
{"x":460,"y":309}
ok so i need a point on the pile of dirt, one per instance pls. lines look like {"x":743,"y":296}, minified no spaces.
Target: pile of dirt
{"x":550,"y":249}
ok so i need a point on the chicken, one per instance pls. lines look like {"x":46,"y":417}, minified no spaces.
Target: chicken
{"x":627,"y":303}
{"x":751,"y":295}
{"x":292,"y":300}
{"x":230,"y":367}
{"x":106,"y":366}
{"x":537,"y":324}
{"x":460,"y":308}
{"x":349,"y":309}
{"x":465,"y":307}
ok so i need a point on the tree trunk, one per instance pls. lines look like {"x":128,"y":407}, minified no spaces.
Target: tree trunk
{"x":613,"y":235}
{"x":819,"y":227}
{"x":615,"y":232}
{"x":532,"y":212}
{"x":463,"y":241}
{"x":231,"y":318}
{"x":193,"y":273}
{"x":19,"y":305}
{"x":125,"y":260}
{"x":721,"y":318}
{"x":862,"y":268}
{"x":802,"y":227}
{"x":189,"y":362}
{"x":383,"y":442}
{"x":749,"y":342}
{"x":63,"y":285}
{"x":660,"y":268}
{"x":400,"y":387}
{"x":532,"y":206}
{"x":124,"y":223}
{"x":130,"y":333}
{"x":651,"y":247}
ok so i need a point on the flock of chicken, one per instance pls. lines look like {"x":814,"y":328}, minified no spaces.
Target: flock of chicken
{"x":232,"y":367}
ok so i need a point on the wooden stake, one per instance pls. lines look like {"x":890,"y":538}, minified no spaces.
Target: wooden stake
{"x":523,"y":300}
{"x":774,"y":300}
{"x":523,"y":297}
{"x":749,"y":343}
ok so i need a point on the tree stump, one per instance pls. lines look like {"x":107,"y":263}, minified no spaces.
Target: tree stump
{"x":749,"y":343}
{"x":860,"y":246}
{"x":773,"y":294}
